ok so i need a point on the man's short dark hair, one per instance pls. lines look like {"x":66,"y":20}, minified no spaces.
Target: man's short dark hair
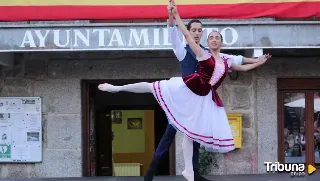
{"x":193,"y":21}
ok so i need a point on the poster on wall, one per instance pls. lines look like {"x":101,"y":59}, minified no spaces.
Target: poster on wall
{"x":20,"y":129}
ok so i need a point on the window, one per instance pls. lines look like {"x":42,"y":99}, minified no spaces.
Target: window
{"x":299,"y":120}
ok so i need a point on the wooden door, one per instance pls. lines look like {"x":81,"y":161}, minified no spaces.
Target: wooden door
{"x":104,"y":144}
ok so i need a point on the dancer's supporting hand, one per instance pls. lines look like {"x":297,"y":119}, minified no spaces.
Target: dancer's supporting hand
{"x":198,"y":51}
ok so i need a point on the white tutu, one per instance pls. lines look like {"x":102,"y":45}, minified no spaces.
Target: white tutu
{"x":196,"y":116}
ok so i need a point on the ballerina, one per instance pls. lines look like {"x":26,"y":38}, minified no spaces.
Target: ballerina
{"x":191,"y":102}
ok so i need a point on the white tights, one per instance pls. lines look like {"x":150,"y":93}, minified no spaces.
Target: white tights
{"x":187,"y":147}
{"x":141,"y":87}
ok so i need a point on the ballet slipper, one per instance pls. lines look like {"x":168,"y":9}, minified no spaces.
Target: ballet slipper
{"x":189,"y":175}
{"x":108,"y":88}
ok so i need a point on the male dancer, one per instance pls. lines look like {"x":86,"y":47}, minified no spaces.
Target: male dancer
{"x":188,"y":65}
{"x":182,"y":52}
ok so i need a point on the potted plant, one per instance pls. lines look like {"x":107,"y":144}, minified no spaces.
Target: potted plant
{"x":208,"y":160}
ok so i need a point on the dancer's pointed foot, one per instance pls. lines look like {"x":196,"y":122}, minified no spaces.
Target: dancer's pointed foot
{"x":108,"y":87}
{"x":189,"y":175}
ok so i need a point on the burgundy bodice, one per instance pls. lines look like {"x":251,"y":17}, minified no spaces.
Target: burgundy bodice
{"x":201,"y":82}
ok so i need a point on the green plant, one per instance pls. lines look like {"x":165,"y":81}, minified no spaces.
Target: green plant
{"x":208,"y":160}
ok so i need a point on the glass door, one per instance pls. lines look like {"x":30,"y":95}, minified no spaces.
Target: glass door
{"x":294,"y":121}
{"x":299,"y":126}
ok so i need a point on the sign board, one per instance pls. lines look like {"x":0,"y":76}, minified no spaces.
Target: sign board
{"x":235,"y":121}
{"x":20,"y":129}
{"x":152,"y":37}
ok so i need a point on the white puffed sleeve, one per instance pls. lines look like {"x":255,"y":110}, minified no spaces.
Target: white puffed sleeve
{"x":232,"y":59}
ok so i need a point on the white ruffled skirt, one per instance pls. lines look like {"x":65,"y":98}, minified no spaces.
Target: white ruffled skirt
{"x":196,"y":116}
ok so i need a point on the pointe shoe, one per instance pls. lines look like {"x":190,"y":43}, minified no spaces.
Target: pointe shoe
{"x":189,"y":175}
{"x":108,"y":88}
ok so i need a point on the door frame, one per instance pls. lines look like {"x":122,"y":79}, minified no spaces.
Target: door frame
{"x":306,"y":85}
{"x":85,"y":100}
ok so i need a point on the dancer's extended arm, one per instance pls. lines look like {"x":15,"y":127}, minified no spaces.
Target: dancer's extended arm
{"x":193,"y":45}
{"x":246,"y":67}
{"x":240,"y":60}
{"x":170,"y":21}
{"x":250,"y":60}
{"x":255,"y":60}
{"x":174,"y":36}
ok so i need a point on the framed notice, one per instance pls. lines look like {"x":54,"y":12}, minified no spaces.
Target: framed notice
{"x":20,"y":129}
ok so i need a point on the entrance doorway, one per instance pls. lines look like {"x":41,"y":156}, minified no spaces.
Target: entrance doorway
{"x":122,"y":130}
{"x":299,"y":120}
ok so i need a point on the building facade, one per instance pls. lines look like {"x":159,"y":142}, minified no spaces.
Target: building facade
{"x":64,"y":62}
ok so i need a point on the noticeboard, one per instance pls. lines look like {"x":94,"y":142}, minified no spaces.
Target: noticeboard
{"x":20,"y":129}
{"x":235,"y":121}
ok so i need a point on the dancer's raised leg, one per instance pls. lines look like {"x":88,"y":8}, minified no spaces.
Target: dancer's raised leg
{"x":187,"y":147}
{"x":141,"y":87}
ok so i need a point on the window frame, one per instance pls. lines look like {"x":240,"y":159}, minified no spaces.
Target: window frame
{"x":305,"y":85}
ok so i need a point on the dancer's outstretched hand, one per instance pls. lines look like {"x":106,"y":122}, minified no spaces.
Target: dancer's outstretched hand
{"x":173,"y":7}
{"x":169,"y":7}
{"x":264,"y":57}
{"x":174,"y":10}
